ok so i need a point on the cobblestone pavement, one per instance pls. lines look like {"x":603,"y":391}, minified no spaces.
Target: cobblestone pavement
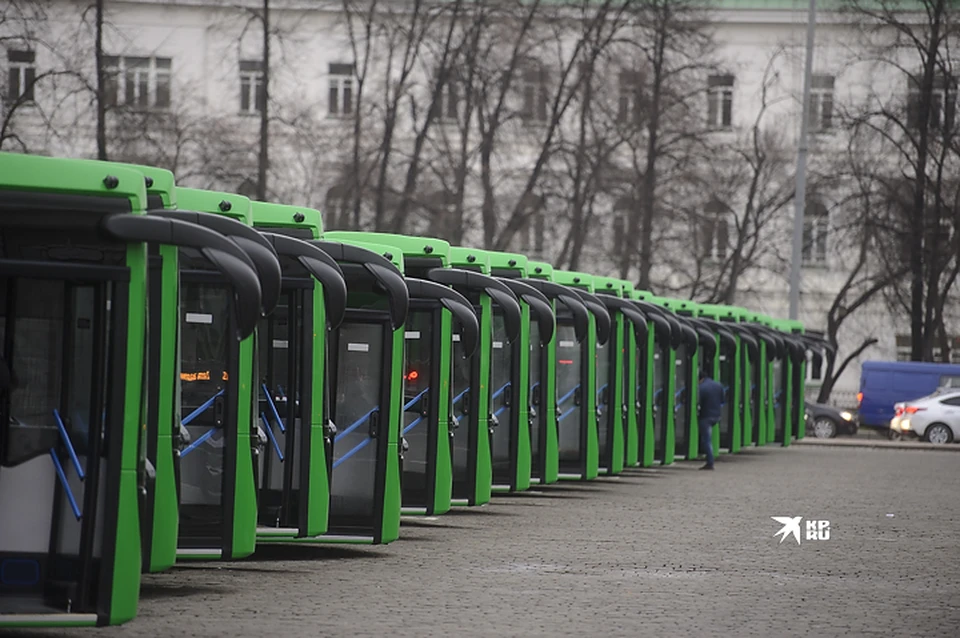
{"x":660,"y":552}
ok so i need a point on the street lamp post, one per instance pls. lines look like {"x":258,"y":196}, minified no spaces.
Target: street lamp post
{"x":801,"y":192}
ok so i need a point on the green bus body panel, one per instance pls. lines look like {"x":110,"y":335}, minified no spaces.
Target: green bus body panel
{"x":461,"y":257}
{"x":166,"y":512}
{"x":411,"y":247}
{"x":126,"y":558}
{"x":443,"y":485}
{"x":287,"y":216}
{"x":245,"y":490}
{"x":522,"y":479}
{"x":693,"y":440}
{"x":551,"y":469}
{"x":318,"y":515}
{"x":72,"y":177}
{"x":390,"y":526}
{"x":484,"y":460}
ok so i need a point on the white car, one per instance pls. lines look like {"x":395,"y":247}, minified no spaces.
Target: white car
{"x":934,"y":418}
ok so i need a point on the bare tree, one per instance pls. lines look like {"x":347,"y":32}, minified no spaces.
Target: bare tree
{"x":915,"y":45}
{"x":751,"y":185}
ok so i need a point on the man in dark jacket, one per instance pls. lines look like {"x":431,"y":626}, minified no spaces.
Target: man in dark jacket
{"x":711,"y":406}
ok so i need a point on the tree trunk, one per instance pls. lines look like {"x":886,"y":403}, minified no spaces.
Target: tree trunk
{"x":101,"y":106}
{"x":263,"y":158}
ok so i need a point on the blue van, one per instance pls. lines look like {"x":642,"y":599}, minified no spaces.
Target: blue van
{"x":884,"y":383}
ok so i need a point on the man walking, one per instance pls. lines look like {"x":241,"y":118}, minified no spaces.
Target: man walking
{"x":711,"y":405}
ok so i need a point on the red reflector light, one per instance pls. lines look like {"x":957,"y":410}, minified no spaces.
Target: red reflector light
{"x":898,"y":411}
{"x":859,"y":398}
{"x":912,"y":409}
{"x":413,"y":375}
{"x":565,"y":362}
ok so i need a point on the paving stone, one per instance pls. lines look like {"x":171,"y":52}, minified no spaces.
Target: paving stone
{"x":661,"y":552}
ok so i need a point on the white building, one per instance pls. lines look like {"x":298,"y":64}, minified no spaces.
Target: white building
{"x":184,"y":90}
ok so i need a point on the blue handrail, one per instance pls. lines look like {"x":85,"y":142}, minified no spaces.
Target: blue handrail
{"x":203,"y":408}
{"x":415,"y":399}
{"x":356,"y":424}
{"x":500,"y":410}
{"x":569,"y":394}
{"x":270,"y":435}
{"x":602,"y":388}
{"x":460,"y":396}
{"x":203,"y":437}
{"x":273,"y":406}
{"x":68,"y":443}
{"x":412,"y":425}
{"x":356,"y":449}
{"x":63,"y":482}
{"x":500,"y":391}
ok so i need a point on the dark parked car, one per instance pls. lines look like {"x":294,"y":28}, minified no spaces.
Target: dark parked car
{"x":826,"y":422}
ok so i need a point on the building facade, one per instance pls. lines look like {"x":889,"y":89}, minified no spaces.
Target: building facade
{"x":512,"y":127}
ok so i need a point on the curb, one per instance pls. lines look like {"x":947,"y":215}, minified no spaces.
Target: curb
{"x":889,"y":445}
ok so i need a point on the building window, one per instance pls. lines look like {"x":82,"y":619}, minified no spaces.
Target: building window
{"x":720,"y":101}
{"x":715,"y":226}
{"x":137,"y":82}
{"x":630,"y":107}
{"x":904,"y":350}
{"x":903,"y":347}
{"x":252,"y":95}
{"x":821,"y":102}
{"x":21,"y":75}
{"x":450,"y":99}
{"x":816,"y":225}
{"x":621,"y":214}
{"x":534,"y":90}
{"x":531,"y":234}
{"x":943,"y":103}
{"x":341,"y":89}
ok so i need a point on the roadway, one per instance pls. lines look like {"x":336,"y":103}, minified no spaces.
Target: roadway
{"x":660,"y":552}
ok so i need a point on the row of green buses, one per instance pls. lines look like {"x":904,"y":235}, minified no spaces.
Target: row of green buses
{"x":185,"y":374}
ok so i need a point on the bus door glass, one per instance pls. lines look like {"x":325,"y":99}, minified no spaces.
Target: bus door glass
{"x":361,"y":360}
{"x":283,"y":407}
{"x":569,"y":366}
{"x":501,"y":400}
{"x":418,"y":340}
{"x":57,"y":348}
{"x":205,"y":357}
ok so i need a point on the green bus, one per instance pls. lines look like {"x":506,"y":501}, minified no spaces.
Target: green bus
{"x":293,"y":479}
{"x":727,"y":371}
{"x":73,"y":378}
{"x":426,"y":478}
{"x":658,"y":442}
{"x":475,"y":378}
{"x":524,"y":363}
{"x":165,"y":438}
{"x":577,"y":383}
{"x":615,"y":362}
{"x":572,"y":324}
{"x":366,"y":394}
{"x":218,"y":501}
